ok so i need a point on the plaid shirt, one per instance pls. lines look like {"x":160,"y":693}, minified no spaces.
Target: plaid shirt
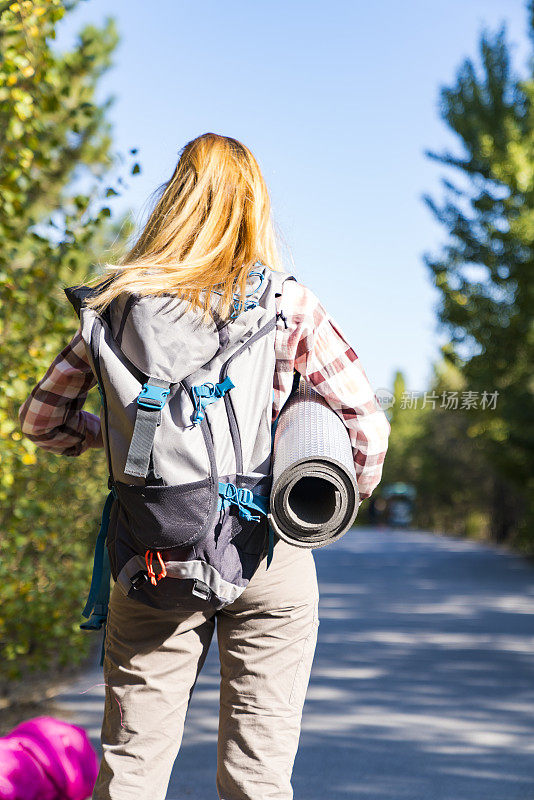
{"x":309,"y":341}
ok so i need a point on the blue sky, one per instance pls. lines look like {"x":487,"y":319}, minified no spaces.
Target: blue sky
{"x":338,"y":101}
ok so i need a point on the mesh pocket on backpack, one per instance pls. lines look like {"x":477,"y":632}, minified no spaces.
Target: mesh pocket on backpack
{"x":161,"y":517}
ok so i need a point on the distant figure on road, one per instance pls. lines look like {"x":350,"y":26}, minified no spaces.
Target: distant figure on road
{"x":400,"y":498}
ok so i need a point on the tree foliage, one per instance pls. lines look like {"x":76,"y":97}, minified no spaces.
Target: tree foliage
{"x":56,"y":161}
{"x":484,"y":271}
{"x":435,"y":447}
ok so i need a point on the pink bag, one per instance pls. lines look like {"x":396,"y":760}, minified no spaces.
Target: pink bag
{"x":47,"y":759}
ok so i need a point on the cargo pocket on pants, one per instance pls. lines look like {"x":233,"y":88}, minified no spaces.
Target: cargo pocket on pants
{"x":302,"y":675}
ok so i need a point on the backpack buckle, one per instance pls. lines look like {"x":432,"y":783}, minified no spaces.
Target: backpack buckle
{"x":201,"y":590}
{"x":245,"y":500}
{"x":138,"y":579}
{"x":206,"y":393}
{"x":152,"y":396}
{"x":245,"y":496}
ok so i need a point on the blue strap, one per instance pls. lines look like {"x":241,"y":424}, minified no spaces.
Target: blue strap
{"x":206,"y":393}
{"x":153,"y":396}
{"x":96,"y":608}
{"x":270,"y":549}
{"x":238,"y":306}
{"x":103,"y":648}
{"x":245,"y":500}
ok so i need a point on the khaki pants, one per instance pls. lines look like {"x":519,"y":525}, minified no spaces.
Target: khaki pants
{"x":266,"y":644}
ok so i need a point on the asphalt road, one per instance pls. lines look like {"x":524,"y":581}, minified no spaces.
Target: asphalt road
{"x":422,"y":686}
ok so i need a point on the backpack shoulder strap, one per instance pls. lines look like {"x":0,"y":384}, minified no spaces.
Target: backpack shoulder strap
{"x":150,"y":401}
{"x":76,"y":295}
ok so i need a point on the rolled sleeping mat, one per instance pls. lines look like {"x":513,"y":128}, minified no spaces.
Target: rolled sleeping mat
{"x":314,"y":497}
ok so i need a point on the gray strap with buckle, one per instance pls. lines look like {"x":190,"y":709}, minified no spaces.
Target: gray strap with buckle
{"x":147,"y":418}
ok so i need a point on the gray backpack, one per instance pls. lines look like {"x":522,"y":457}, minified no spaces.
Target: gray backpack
{"x":186,"y":423}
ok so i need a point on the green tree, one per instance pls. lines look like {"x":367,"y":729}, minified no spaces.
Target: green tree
{"x":56,"y":163}
{"x":484,"y":272}
{"x":407,"y":423}
{"x":454,"y":478}
{"x":434,"y":446}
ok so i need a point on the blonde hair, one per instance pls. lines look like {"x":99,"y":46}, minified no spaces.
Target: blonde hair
{"x":211,"y":224}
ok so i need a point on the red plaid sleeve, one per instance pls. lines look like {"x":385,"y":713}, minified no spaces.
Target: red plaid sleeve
{"x":52,"y":415}
{"x":314,"y":345}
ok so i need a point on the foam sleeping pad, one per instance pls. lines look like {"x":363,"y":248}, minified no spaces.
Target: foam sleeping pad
{"x":314,"y":497}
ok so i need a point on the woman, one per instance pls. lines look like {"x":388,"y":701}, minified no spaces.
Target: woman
{"x":210,"y":225}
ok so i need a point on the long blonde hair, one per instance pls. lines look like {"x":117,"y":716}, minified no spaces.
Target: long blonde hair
{"x":211,"y":224}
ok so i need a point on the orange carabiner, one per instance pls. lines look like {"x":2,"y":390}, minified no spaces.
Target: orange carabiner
{"x":163,"y":572}
{"x":149,"y":567}
{"x":154,"y":579}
